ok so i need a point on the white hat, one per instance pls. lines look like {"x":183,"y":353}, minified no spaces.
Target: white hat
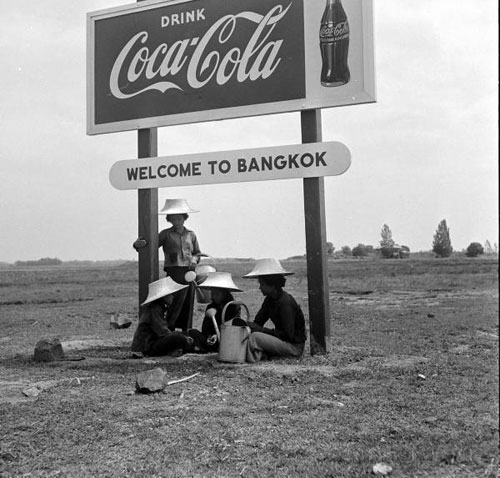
{"x":203,"y":270}
{"x":267,"y":267}
{"x":219,"y":280}
{"x":161,"y":288}
{"x":176,"y":206}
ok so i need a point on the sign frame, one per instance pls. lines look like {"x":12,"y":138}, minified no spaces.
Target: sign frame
{"x":364,"y":91}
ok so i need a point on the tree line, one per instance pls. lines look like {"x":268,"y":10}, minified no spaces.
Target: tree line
{"x":46,"y":261}
{"x":441,"y":246}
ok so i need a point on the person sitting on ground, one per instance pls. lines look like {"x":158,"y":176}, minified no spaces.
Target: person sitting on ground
{"x":288,"y":337}
{"x":220,"y":285}
{"x":153,"y":336}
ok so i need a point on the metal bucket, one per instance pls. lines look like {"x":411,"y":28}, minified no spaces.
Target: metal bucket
{"x":233,"y":338}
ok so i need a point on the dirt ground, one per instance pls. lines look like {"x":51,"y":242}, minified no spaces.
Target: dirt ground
{"x":411,"y":378}
{"x":403,"y":301}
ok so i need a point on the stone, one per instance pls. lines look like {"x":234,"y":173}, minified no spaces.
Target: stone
{"x":381,"y":469}
{"x":48,"y":350}
{"x":31,"y":392}
{"x":122,"y":321}
{"x":150,"y":381}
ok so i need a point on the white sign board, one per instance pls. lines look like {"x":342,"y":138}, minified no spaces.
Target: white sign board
{"x":261,"y":164}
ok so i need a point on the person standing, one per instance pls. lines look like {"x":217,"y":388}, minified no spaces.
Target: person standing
{"x":181,"y":254}
{"x":288,"y":337}
{"x":153,"y":336}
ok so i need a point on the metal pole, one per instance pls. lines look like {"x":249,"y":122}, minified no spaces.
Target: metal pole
{"x":315,"y":224}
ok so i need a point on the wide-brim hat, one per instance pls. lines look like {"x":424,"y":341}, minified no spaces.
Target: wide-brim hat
{"x":161,"y":288}
{"x":219,"y":280}
{"x":204,"y":270}
{"x":267,"y":267}
{"x":176,"y":206}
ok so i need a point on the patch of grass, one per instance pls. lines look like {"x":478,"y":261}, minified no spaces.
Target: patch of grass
{"x":411,"y":380}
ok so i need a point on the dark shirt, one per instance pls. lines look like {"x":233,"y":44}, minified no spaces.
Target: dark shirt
{"x":152,"y":326}
{"x":287,"y":317}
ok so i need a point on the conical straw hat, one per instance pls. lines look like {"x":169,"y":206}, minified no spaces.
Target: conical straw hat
{"x":161,"y":288}
{"x":267,"y":267}
{"x":176,"y":206}
{"x":219,"y":280}
{"x":203,"y":270}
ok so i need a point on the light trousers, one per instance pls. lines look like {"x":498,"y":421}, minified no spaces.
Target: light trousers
{"x":261,"y":344}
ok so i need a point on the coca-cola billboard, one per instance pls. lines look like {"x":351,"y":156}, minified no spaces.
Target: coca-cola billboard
{"x":174,"y":62}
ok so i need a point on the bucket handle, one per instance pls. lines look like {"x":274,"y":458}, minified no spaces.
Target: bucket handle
{"x":235,"y":302}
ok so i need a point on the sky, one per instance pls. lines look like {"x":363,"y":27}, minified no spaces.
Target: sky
{"x":425,"y":151}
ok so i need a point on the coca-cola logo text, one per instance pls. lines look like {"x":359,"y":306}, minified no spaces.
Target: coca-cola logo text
{"x":197,"y":60}
{"x":332,"y":32}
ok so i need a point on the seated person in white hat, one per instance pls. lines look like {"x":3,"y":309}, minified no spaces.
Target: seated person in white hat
{"x":152,"y":336}
{"x":182,"y":253}
{"x":220,"y":285}
{"x":287,"y":338}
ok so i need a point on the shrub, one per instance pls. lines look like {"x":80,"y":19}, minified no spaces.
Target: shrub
{"x":330,"y":248}
{"x":474,"y":249}
{"x":387,"y":252}
{"x":360,"y":250}
{"x":346,"y":251}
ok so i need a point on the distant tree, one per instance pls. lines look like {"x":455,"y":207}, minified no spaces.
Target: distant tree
{"x":360,"y":251}
{"x":487,"y":247}
{"x":330,"y":248}
{"x":474,"y":249}
{"x":346,"y":251}
{"x":386,"y":234}
{"x":441,"y":245}
{"x":387,"y":249}
{"x":46,"y":261}
{"x":50,"y":261}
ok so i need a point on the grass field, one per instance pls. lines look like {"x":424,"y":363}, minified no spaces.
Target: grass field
{"x":411,"y":380}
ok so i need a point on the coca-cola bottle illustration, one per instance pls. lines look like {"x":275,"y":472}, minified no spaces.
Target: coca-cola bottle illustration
{"x":334,"y":44}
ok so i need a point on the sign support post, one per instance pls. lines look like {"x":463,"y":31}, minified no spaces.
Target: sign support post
{"x":315,"y":224}
{"x":147,"y":141}
{"x":147,"y":201}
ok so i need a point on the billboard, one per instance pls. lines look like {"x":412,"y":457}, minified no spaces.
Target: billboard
{"x":161,"y":63}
